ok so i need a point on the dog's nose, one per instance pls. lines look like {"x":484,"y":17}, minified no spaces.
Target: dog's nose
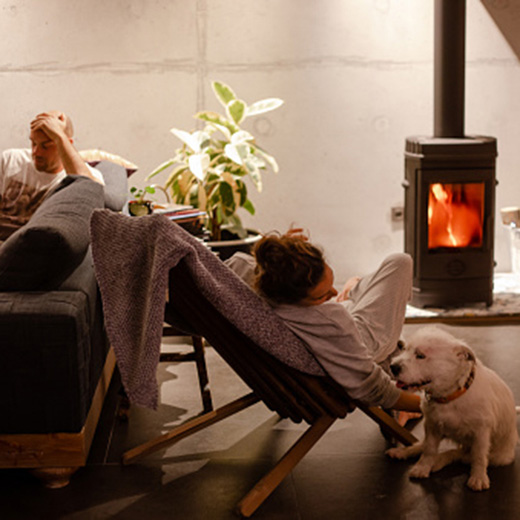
{"x":395,"y":368}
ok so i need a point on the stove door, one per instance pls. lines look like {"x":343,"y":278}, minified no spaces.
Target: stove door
{"x":455,"y":221}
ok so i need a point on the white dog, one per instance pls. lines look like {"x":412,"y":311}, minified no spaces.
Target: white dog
{"x":464,"y":401}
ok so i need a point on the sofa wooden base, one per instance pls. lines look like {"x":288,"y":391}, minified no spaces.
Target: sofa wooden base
{"x":54,"y":478}
{"x":53,"y":456}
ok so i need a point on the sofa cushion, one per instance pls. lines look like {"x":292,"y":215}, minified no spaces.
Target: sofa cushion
{"x":51,"y":359}
{"x":44,"y":252}
{"x":116,"y":184}
{"x":95,"y":156}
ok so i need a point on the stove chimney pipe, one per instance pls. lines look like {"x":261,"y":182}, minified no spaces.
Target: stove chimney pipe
{"x":449,"y":67}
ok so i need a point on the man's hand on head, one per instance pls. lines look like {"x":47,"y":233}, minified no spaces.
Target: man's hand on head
{"x":52,"y":124}
{"x":58,"y":128}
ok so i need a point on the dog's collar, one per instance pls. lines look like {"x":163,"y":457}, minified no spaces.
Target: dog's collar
{"x":457,"y":393}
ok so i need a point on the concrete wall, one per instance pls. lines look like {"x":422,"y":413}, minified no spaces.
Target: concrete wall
{"x":356,"y":77}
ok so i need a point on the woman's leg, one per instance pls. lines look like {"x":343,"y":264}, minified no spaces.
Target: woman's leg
{"x":378,"y":304}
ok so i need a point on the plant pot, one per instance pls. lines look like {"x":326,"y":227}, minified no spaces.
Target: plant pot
{"x":231,"y":243}
{"x":139,"y":209}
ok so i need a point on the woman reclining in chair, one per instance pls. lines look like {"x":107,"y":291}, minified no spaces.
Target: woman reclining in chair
{"x":353,"y":336}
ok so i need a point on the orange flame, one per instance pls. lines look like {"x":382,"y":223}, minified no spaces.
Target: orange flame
{"x":455,"y":215}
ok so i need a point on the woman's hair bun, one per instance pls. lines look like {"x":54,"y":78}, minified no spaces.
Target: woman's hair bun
{"x":288,"y":267}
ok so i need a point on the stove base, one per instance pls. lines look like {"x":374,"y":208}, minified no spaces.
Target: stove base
{"x":452,"y":293}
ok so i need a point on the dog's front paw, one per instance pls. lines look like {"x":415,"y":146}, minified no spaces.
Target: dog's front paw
{"x":420,"y":471}
{"x":400,"y":453}
{"x":478,"y":482}
{"x":405,"y":452}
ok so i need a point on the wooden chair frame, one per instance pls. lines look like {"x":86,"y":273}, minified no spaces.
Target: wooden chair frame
{"x":317,"y":400}
{"x":197,"y":356}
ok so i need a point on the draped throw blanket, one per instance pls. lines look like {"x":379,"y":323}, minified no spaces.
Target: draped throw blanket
{"x":132,"y":259}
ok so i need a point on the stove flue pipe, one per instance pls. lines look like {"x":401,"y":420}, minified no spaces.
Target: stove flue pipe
{"x":449,"y":67}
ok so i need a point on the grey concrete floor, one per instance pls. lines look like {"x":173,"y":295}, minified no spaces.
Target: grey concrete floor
{"x":345,"y":476}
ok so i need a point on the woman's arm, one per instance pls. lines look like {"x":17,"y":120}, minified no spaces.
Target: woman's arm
{"x":408,"y":402}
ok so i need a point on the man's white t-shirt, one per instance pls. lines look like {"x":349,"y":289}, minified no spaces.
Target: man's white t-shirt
{"x":23,"y":188}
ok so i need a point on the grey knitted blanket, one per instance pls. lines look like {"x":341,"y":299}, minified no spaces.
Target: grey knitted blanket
{"x":132,"y":258}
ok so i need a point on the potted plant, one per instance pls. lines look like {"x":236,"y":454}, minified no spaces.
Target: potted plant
{"x":140,"y":205}
{"x":210,"y":168}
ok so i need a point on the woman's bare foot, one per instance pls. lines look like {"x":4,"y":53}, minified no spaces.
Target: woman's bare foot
{"x":404,"y":417}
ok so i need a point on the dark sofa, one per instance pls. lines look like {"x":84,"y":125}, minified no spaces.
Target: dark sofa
{"x":55,"y":360}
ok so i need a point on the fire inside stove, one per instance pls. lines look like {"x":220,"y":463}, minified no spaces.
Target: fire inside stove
{"x":456,"y":215}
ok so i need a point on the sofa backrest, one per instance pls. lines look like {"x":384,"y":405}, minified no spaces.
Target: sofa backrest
{"x":116,"y":184}
{"x":44,"y":252}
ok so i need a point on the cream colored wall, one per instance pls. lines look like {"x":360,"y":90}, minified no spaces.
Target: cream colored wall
{"x":356,"y":77}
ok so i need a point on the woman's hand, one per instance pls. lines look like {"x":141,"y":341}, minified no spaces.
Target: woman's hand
{"x":297,"y":233}
{"x":351,"y":283}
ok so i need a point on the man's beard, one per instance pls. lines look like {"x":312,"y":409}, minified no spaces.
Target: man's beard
{"x":41,"y":164}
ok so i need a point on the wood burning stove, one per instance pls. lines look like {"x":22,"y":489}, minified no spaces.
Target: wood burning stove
{"x":449,"y":219}
{"x":450,"y":185}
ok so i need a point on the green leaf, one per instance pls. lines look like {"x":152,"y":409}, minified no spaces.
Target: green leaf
{"x":224,"y":93}
{"x":185,"y":183}
{"x":199,"y":163}
{"x":219,"y":121}
{"x":197,"y":141}
{"x":212,"y":177}
{"x":184,"y":136}
{"x":269,"y":159}
{"x":240,"y":172}
{"x":248,"y":206}
{"x":150,"y":189}
{"x":161,"y":168}
{"x":257,"y":161}
{"x":177,"y":195}
{"x":266,"y":105}
{"x":255,"y":174}
{"x":236,"y":110}
{"x":237,"y":153}
{"x":226,"y":194}
{"x":219,"y":214}
{"x":174,"y":175}
{"x":235,"y":226}
{"x":242,"y":190}
{"x":211,"y":117}
{"x":241,"y":137}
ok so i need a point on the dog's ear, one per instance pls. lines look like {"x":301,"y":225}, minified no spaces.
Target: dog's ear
{"x":465,"y":352}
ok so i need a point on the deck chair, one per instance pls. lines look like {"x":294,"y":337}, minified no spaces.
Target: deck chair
{"x":317,"y":400}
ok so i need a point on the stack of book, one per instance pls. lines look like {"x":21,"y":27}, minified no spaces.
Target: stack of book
{"x":188,"y":217}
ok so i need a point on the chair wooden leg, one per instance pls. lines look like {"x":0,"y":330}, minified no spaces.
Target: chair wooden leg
{"x":250,"y":503}
{"x":200,"y":361}
{"x":191,"y":426}
{"x":389,"y":424}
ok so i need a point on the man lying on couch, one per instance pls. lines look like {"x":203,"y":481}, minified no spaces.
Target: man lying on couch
{"x":28,"y":175}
